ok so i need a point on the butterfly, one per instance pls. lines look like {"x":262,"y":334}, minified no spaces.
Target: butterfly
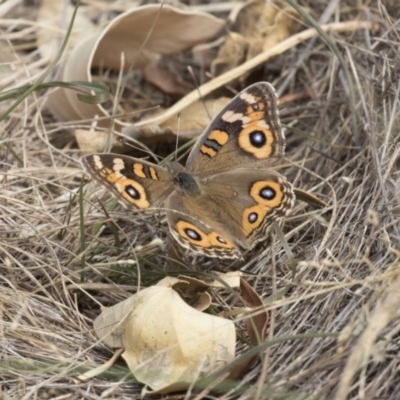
{"x":225,"y":199}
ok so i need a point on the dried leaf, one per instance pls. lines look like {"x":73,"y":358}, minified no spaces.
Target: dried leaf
{"x":168,"y":344}
{"x":231,"y":279}
{"x":232,"y":53}
{"x":164,"y":30}
{"x":258,"y":25}
{"x":192,"y":121}
{"x":309,"y":198}
{"x":166,"y":80}
{"x":90,"y":141}
{"x":249,"y":65}
{"x":256,"y":326}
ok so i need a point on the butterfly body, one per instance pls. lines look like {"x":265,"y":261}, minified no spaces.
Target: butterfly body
{"x":185,"y":182}
{"x":225,"y":199}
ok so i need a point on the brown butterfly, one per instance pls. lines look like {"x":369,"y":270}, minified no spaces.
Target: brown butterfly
{"x":225,"y":199}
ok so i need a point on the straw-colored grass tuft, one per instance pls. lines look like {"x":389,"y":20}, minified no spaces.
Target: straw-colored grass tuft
{"x":53,"y":279}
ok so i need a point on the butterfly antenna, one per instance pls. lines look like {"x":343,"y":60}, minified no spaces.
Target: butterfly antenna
{"x":177,"y":136}
{"x":190,"y":69}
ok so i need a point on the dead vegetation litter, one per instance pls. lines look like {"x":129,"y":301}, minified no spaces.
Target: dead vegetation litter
{"x":64,"y":252}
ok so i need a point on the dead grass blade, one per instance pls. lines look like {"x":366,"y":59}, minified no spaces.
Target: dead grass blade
{"x":334,"y":324}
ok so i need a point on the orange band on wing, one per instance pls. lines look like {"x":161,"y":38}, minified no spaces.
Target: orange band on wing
{"x":267,"y":195}
{"x":197,"y":237}
{"x":217,"y":241}
{"x":213,"y":143}
{"x":260,"y":150}
{"x":153,"y":173}
{"x":255,"y":115}
{"x":133,"y":192}
{"x":221,"y":137}
{"x":253,"y":218}
{"x":256,"y":193}
{"x":208,"y":150}
{"x":138,"y":170}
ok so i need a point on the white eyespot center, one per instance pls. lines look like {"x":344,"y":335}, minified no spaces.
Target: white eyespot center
{"x":253,"y":217}
{"x":132,"y":192}
{"x":267,"y":193}
{"x":193,"y":234}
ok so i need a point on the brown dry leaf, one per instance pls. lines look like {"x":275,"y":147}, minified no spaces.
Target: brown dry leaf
{"x":249,"y":65}
{"x":258,"y":25}
{"x":168,"y":344}
{"x":165,"y":80}
{"x":232,"y":53}
{"x":286,"y":23}
{"x":256,"y":326}
{"x":309,"y":198}
{"x":192,"y":289}
{"x":196,"y":116}
{"x":192,"y":121}
{"x":163,"y":30}
{"x":52,"y":17}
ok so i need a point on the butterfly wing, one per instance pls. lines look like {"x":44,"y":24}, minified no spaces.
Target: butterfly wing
{"x":192,"y":224}
{"x":260,"y":197}
{"x":247,"y":132}
{"x":138,"y":183}
{"x":234,"y":212}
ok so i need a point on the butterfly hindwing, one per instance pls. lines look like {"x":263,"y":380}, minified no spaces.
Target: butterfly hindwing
{"x":234,"y":211}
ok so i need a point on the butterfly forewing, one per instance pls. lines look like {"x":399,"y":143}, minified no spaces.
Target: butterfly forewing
{"x":138,"y":183}
{"x":246,"y":133}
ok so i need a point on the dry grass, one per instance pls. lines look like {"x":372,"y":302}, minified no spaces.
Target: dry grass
{"x":348,"y":255}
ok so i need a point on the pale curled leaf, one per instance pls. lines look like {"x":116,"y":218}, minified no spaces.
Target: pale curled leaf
{"x":162,"y":29}
{"x":167,"y":343}
{"x":193,"y":291}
